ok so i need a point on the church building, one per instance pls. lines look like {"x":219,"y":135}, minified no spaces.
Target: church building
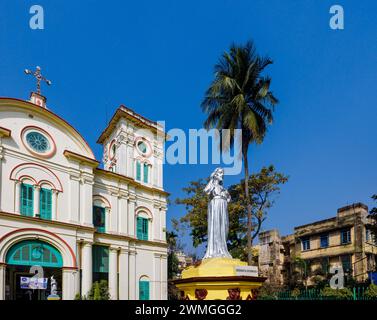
{"x":81,"y":223}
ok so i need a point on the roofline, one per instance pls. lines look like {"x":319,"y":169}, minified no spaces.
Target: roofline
{"x":123,"y":111}
{"x":51,"y":113}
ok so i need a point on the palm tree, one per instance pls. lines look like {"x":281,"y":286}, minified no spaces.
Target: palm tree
{"x":239,"y":98}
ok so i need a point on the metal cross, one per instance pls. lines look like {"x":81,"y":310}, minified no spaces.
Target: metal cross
{"x":37,"y":74}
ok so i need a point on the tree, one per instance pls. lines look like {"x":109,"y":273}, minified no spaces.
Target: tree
{"x":173,"y":263}
{"x":373,"y":216}
{"x":263,"y":186}
{"x":240,"y":98}
{"x":173,"y":268}
{"x":99,"y":291}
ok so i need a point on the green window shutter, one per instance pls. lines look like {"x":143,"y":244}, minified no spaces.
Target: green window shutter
{"x":100,"y":259}
{"x":144,"y":290}
{"x":142,"y":228}
{"x":139,"y":228}
{"x":27,"y":195}
{"x":145,"y":229}
{"x":45,"y":204}
{"x":145,"y":173}
{"x":138,"y":170}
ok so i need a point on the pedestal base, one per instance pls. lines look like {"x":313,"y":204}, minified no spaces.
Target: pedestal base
{"x":216,"y":279}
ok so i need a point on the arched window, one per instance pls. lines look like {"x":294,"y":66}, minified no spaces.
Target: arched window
{"x":144,"y":288}
{"x":143,"y":221}
{"x":101,"y":208}
{"x":27,"y":200}
{"x":34,"y":252}
{"x":99,"y":218}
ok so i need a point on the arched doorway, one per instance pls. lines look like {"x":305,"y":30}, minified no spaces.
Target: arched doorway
{"x":22,"y":259}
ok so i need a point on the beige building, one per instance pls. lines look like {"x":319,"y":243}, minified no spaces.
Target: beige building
{"x":308,"y":254}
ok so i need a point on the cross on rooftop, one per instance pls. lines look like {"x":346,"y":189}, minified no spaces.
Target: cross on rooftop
{"x":37,"y":74}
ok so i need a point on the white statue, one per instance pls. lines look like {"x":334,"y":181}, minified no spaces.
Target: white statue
{"x":54,"y":287}
{"x":218,"y":223}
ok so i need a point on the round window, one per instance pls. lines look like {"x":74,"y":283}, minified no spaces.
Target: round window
{"x":142,"y":147}
{"x":38,"y":142}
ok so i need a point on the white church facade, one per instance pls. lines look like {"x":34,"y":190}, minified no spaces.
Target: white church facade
{"x":79,"y":222}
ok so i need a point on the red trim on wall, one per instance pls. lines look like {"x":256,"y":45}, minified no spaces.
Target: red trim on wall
{"x":142,"y":208}
{"x":28,"y":177}
{"x":53,"y":114}
{"x":43,"y":231}
{"x":38,"y":165}
{"x":104,"y":199}
{"x":36,"y":128}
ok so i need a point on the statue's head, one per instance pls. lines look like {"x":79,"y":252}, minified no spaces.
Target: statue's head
{"x":218,"y":174}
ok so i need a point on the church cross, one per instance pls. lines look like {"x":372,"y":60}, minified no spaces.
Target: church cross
{"x":37,"y":74}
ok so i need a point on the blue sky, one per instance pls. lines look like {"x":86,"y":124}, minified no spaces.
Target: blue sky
{"x":157,"y":57}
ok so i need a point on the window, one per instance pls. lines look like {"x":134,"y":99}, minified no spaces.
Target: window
{"x":45,"y":203}
{"x":38,"y":142}
{"x":34,"y":252}
{"x":138,"y":171}
{"x":324,"y":240}
{"x":27,"y":196}
{"x":142,"y":228}
{"x":100,"y":263}
{"x":99,"y":218}
{"x":346,"y":263}
{"x":142,"y":147}
{"x":345,"y":236}
{"x":143,"y":290}
{"x":367,"y":235}
{"x":325,"y":265}
{"x":145,"y":173}
{"x":305,"y":243}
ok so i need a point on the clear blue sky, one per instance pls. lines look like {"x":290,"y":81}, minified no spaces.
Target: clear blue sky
{"x":157,"y":57}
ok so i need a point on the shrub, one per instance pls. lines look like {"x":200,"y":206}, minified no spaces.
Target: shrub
{"x":99,"y":291}
{"x":268,"y":292}
{"x":330,"y":293}
{"x":371,"y":291}
{"x":295,"y":292}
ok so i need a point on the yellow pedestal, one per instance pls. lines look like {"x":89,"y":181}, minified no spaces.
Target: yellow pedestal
{"x":216,"y":279}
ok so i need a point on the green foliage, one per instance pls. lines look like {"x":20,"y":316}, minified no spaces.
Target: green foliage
{"x":268,"y":291}
{"x":373,"y":217}
{"x":239,"y":97}
{"x":99,"y":291}
{"x":371,"y":291}
{"x":295,"y":292}
{"x":263,"y":186}
{"x":344,"y":293}
{"x":173,"y":263}
{"x":78,"y":297}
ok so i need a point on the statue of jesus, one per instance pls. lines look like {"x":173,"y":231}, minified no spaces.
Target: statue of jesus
{"x":218,"y":223}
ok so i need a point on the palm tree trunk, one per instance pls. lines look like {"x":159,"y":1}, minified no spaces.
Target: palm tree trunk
{"x":248,"y":202}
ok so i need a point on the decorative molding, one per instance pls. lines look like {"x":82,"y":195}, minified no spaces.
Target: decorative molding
{"x":80,"y":158}
{"x":5,"y":133}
